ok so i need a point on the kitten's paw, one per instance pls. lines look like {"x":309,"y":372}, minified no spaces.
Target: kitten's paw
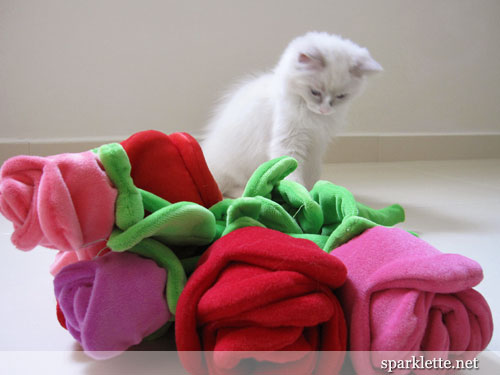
{"x":296,"y":177}
{"x":233,"y":192}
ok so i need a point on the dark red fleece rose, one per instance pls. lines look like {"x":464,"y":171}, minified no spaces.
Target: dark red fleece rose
{"x":258,"y":289}
{"x":172,"y":167}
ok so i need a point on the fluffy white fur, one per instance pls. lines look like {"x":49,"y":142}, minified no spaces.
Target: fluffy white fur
{"x":294,"y":110}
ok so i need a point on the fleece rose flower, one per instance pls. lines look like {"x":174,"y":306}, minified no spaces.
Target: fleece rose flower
{"x":64,"y":202}
{"x":112,"y":302}
{"x":403,"y":295}
{"x":172,"y":167}
{"x":256,"y":290}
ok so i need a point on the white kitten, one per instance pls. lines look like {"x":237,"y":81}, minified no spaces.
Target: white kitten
{"x":294,"y":110}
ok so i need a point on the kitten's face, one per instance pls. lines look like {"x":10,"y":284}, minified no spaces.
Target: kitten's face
{"x":328,"y":72}
{"x":326,"y":91}
{"x":325,"y":86}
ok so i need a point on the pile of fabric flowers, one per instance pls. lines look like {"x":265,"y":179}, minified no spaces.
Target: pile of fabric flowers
{"x":146,"y":244}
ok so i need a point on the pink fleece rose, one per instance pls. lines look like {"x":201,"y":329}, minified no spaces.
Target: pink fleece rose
{"x":404,"y":297}
{"x":65,"y":202}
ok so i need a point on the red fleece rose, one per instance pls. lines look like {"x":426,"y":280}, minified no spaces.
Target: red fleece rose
{"x":172,"y":167}
{"x":258,"y":289}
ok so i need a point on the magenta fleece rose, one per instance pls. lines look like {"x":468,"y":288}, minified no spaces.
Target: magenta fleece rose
{"x":65,"y":202}
{"x":112,"y":302}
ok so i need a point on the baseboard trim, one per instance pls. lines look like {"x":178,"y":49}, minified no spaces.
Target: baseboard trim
{"x":46,"y":148}
{"x":388,"y":148}
{"x":345,"y":148}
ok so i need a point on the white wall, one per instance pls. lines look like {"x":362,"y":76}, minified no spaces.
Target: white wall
{"x":107,"y":68}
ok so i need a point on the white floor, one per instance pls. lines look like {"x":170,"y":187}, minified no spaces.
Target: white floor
{"x":453,"y":205}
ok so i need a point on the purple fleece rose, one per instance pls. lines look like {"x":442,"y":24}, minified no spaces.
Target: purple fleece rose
{"x":112,"y":302}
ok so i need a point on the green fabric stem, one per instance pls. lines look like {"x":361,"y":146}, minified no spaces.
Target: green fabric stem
{"x":274,"y":216}
{"x":220,"y":209}
{"x":152,"y":202}
{"x":350,"y":227}
{"x":189,"y":264}
{"x":335,"y":201}
{"x":267,"y":175}
{"x":129,"y":208}
{"x":220,"y":212}
{"x":182,"y":223}
{"x":242,"y":222}
{"x":243,"y":207}
{"x":328,"y":215}
{"x":318,"y":239}
{"x":220,"y":227}
{"x":308,"y":213}
{"x":387,"y":216}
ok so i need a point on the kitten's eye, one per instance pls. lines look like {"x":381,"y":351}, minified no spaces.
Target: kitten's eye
{"x":315,"y":93}
{"x":342,"y":96}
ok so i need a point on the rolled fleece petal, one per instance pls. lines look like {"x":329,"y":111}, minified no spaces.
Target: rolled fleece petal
{"x":112,"y":302}
{"x":258,"y":290}
{"x":403,"y":295}
{"x":64,"y":201}
{"x":172,"y":167}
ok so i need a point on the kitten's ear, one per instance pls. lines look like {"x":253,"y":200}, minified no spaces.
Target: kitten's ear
{"x":311,"y":60}
{"x":365,"y":66}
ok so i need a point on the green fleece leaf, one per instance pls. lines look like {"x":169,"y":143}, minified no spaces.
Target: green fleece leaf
{"x":152,"y":202}
{"x":328,"y":215}
{"x":182,"y":223}
{"x":242,"y":222}
{"x":336,"y":203}
{"x":388,"y":216}
{"x":220,"y":208}
{"x":274,"y":216}
{"x":347,"y":230}
{"x":267,"y":176}
{"x":308,"y":213}
{"x":318,"y":239}
{"x":129,"y":208}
